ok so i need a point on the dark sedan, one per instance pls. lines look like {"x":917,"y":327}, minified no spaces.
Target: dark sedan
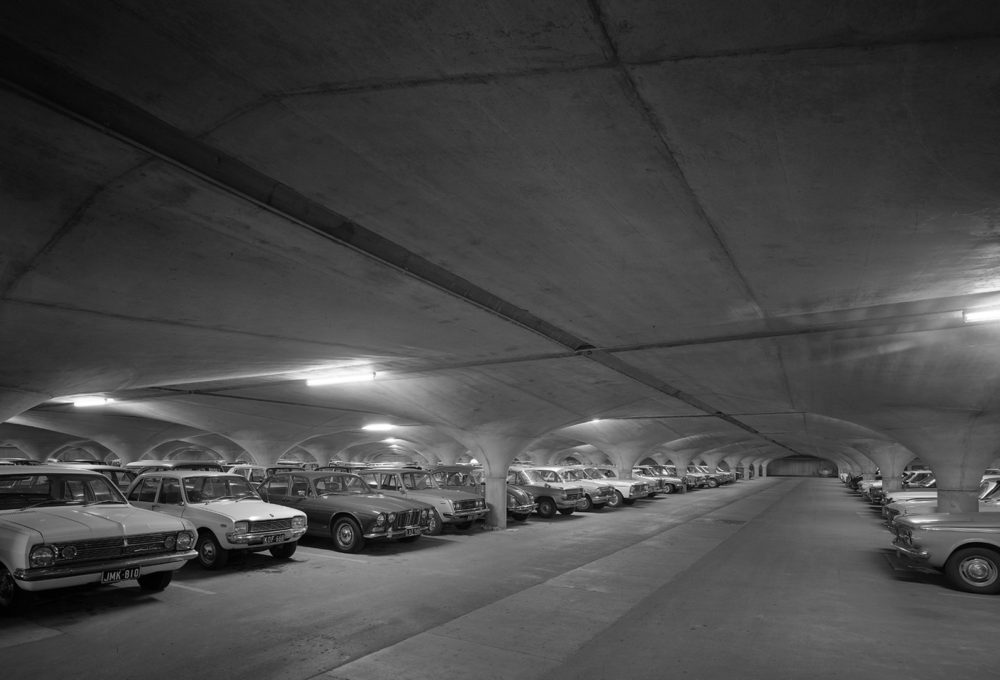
{"x":342,"y":506}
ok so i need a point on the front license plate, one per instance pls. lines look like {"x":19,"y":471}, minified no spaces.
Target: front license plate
{"x":412,"y":531}
{"x":272,"y":539}
{"x":116,"y":575}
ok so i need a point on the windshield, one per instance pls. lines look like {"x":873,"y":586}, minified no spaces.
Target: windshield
{"x":36,"y":490}
{"x":204,"y":489}
{"x":342,"y":484}
{"x":533,"y":476}
{"x":455,"y":478}
{"x":574,"y":475}
{"x":593,"y":473}
{"x":418,"y":481}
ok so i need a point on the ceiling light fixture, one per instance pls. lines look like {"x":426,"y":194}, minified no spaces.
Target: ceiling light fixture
{"x":92,"y":401}
{"x":378,"y":427}
{"x":981,"y":315}
{"x":356,"y":376}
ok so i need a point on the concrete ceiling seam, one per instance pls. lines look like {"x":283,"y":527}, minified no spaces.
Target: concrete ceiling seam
{"x":53,"y":86}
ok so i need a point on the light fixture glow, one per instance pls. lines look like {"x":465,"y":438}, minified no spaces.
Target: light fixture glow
{"x":980,"y":316}
{"x":356,"y":376}
{"x":92,"y":401}
{"x":378,"y":427}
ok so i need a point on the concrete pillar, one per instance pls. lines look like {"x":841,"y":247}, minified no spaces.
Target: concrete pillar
{"x":496,"y":451}
{"x":891,"y":459}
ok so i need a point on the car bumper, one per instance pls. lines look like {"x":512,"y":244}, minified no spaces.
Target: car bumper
{"x":465,"y":516}
{"x":61,"y":576}
{"x":525,"y":509}
{"x":264,"y":539}
{"x":908,"y":552}
{"x":399,"y":532}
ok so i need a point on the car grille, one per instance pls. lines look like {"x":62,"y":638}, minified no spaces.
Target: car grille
{"x":573,"y":495}
{"x":467,"y":505}
{"x":107,"y":548}
{"x":407,"y":518}
{"x":270,"y":525}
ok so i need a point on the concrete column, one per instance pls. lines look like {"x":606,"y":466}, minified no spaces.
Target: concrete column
{"x":891,"y":459}
{"x":495,"y":450}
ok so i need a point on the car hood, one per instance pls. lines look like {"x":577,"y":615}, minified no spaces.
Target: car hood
{"x":375,"y":502}
{"x":975,"y":521}
{"x":79,"y":523}
{"x":245,"y":509}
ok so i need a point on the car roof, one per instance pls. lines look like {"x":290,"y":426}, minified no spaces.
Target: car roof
{"x":48,"y":469}
{"x":190,"y":473}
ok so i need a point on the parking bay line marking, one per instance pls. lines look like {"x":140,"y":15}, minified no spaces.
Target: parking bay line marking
{"x":197,"y":590}
{"x":334,"y":557}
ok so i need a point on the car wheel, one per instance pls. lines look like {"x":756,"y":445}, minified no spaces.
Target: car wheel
{"x":211,"y":555}
{"x":974,"y":570}
{"x":586,"y":504}
{"x":616,"y":500}
{"x":436,"y":526}
{"x":157,"y":581}
{"x":567,"y":511}
{"x":669,"y":488}
{"x":546,"y":507}
{"x":462,"y":526}
{"x":712,"y":484}
{"x":519,"y":516}
{"x":285,"y":550}
{"x":347,"y":535}
{"x":11,"y":595}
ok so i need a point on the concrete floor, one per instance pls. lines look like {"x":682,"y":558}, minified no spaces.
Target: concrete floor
{"x":773,"y":578}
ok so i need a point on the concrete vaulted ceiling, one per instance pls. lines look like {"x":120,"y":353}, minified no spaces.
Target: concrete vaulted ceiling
{"x":746,"y":227}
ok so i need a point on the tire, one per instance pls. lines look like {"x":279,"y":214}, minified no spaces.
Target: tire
{"x":156,"y":582}
{"x":346,"y":535}
{"x":669,"y":488}
{"x":285,"y":550}
{"x":547,"y":508}
{"x":567,"y":511}
{"x":11,"y":596}
{"x":462,"y":526}
{"x":519,"y":516}
{"x":974,"y":570}
{"x":586,"y":504}
{"x":211,"y":555}
{"x":712,"y":484}
{"x":617,"y":500}
{"x":436,"y":526}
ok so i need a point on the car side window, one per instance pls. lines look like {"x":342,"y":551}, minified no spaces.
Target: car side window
{"x":300,"y":487}
{"x":170,"y":492}
{"x":277,"y":485}
{"x":145,"y":491}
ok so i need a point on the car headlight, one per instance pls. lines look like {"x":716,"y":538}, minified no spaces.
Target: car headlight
{"x":42,"y":556}
{"x":299,"y":522}
{"x":380,"y":520}
{"x":185,"y":540}
{"x":241,"y":527}
{"x":391,"y":519}
{"x":425,"y":514}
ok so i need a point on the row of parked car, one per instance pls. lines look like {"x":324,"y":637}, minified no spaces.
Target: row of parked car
{"x":963,"y":546}
{"x":71,"y":524}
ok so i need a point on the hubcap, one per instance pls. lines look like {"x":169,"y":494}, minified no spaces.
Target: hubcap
{"x":345,"y":534}
{"x":979,"y":571}
{"x":208,"y":552}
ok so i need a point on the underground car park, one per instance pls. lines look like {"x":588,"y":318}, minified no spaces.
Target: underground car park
{"x":631,"y":240}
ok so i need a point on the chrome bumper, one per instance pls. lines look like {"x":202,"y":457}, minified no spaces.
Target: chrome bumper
{"x":64,"y":571}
